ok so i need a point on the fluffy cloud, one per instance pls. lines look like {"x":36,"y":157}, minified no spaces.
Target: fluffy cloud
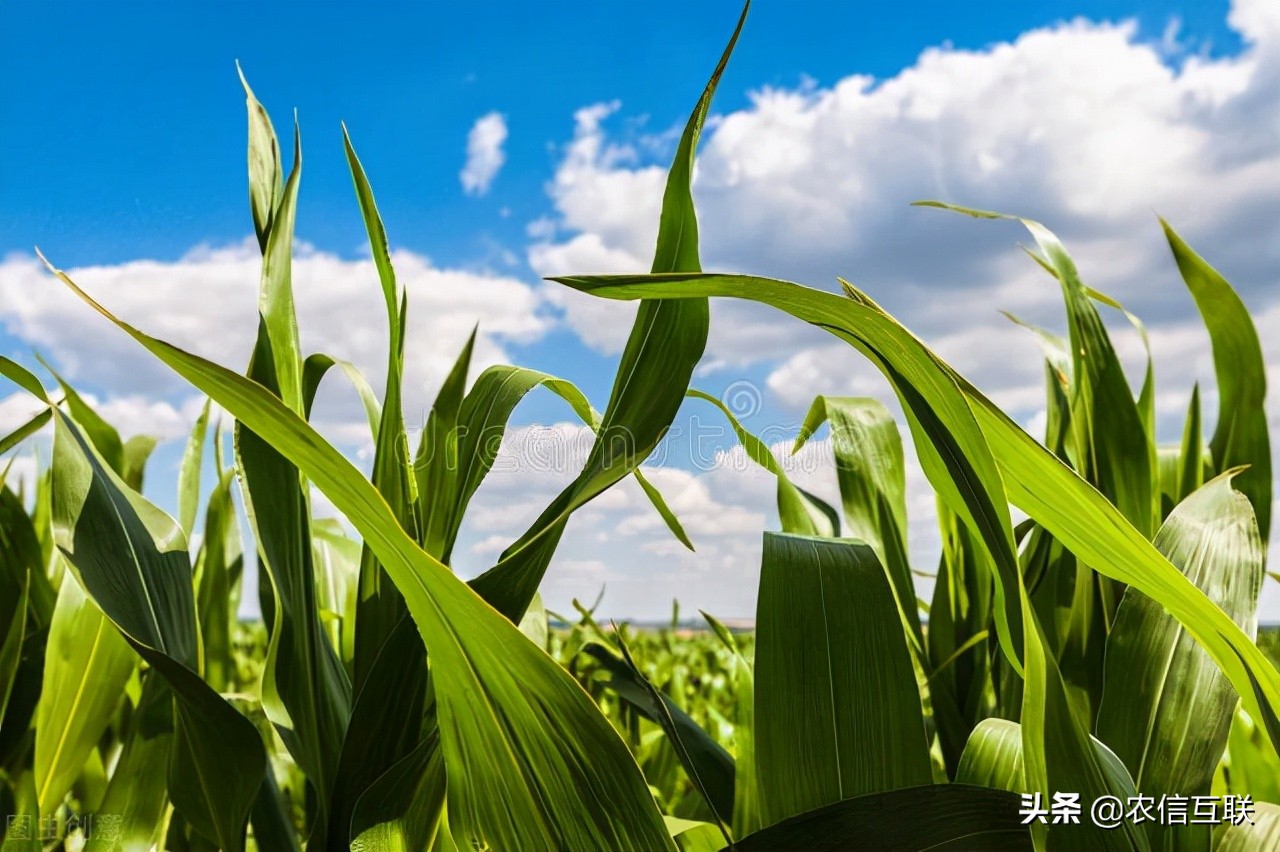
{"x":206,"y":302}
{"x":1088,"y":127}
{"x":484,"y":153}
{"x":1081,"y":125}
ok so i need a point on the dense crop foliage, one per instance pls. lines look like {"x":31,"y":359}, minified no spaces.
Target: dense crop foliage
{"x":1105,"y":645}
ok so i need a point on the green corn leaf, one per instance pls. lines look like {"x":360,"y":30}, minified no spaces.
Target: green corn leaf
{"x":798,"y":511}
{"x":26,"y":430}
{"x":22,"y":377}
{"x":1060,"y":756}
{"x":529,"y":758}
{"x":1241,"y":436}
{"x":104,"y":436}
{"x":936,"y":817}
{"x":305,"y":690}
{"x":189,"y":472}
{"x":219,"y":566}
{"x":706,"y":762}
{"x":386,"y":726}
{"x":317,"y":366}
{"x":266,"y":184}
{"x":1260,"y":833}
{"x":948,"y":440}
{"x":746,"y":791}
{"x":137,"y":450}
{"x":87,"y":664}
{"x":390,"y":705}
{"x":11,"y":649}
{"x":1249,"y":766}
{"x":959,"y":662}
{"x":482,"y":417}
{"x":380,"y":606}
{"x":827,"y":624}
{"x":1034,"y":479}
{"x":873,"y":486}
{"x":129,"y":557}
{"x":1120,"y":452}
{"x":666,"y":342}
{"x":1166,"y":709}
{"x":403,"y":810}
{"x":136,"y":792}
{"x":1191,"y":456}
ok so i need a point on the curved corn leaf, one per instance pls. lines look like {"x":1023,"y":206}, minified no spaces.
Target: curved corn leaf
{"x":705,"y":761}
{"x":798,"y":511}
{"x":219,"y":566}
{"x":402,"y":810}
{"x":1249,"y":766}
{"x":11,"y":649}
{"x":665,"y":344}
{"x":941,"y":817}
{"x":26,"y":430}
{"x":530,"y":761}
{"x":317,"y":366}
{"x":136,"y":792}
{"x":1166,"y":709}
{"x":827,"y":625}
{"x":959,"y":661}
{"x":993,"y":758}
{"x":189,"y":473}
{"x":873,"y":486}
{"x":1119,"y":450}
{"x":87,"y":664}
{"x":109,"y":537}
{"x":1034,"y":479}
{"x":1241,"y":436}
{"x":1258,"y":833}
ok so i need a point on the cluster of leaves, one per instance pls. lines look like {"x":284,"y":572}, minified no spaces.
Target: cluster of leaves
{"x":387,"y":704}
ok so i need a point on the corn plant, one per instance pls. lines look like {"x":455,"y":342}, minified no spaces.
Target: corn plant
{"x":1104,"y":646}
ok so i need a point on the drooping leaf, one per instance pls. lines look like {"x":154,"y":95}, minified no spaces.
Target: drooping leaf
{"x":529,"y":759}
{"x":1033,"y":478}
{"x":130,"y":558}
{"x":706,"y":762}
{"x":798,"y":511}
{"x":942,"y":817}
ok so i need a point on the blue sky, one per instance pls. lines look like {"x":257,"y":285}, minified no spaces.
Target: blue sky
{"x":122,"y":157}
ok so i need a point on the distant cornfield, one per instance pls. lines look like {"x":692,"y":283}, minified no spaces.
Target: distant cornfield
{"x":1104,"y":649}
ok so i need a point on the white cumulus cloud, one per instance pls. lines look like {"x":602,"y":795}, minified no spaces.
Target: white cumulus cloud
{"x":484,"y":153}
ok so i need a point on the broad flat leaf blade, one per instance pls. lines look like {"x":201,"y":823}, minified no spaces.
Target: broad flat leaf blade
{"x":1260,"y":834}
{"x":87,"y":664}
{"x":1166,"y":709}
{"x":941,"y":817}
{"x":873,"y":483}
{"x":827,"y":625}
{"x":218,"y":760}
